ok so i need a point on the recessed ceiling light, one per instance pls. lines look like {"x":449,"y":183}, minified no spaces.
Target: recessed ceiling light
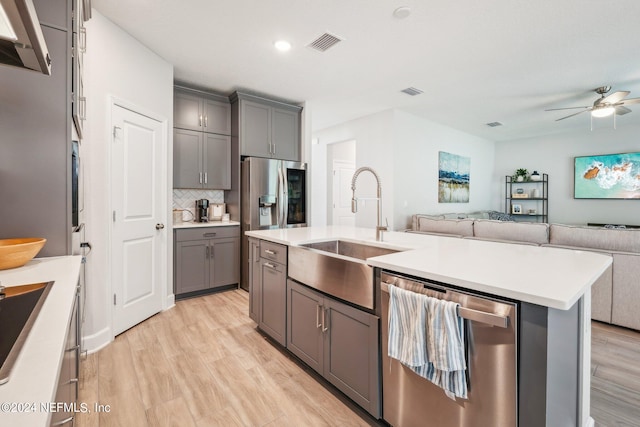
{"x":402,"y":12}
{"x":282,"y":45}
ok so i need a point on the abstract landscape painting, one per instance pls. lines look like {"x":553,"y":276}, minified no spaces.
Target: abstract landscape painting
{"x":609,"y":176}
{"x":453,"y":178}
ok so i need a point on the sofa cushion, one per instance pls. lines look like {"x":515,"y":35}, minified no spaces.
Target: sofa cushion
{"x":623,"y":240}
{"x":460,"y":227}
{"x":416,"y":219}
{"x":531,"y":232}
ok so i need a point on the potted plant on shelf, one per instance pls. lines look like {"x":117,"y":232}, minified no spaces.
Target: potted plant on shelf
{"x":520,"y":175}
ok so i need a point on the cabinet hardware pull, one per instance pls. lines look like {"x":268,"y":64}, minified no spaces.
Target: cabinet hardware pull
{"x":271,"y":266}
{"x":274,"y":148}
{"x":75,"y":347}
{"x":200,"y":177}
{"x":209,"y":234}
{"x":270,"y":252}
{"x":207,"y":252}
{"x":200,"y":121}
{"x":323,"y":321}
{"x":83,"y":40}
{"x":318,"y":324}
{"x":206,"y":121}
{"x":205,"y":177}
{"x":63,"y":422}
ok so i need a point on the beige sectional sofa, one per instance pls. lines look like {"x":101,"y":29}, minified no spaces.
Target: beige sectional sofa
{"x":615,"y":296}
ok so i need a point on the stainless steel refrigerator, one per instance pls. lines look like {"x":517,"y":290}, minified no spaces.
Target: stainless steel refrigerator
{"x":273,"y":195}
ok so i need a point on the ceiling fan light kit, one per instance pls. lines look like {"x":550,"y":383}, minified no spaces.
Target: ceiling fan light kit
{"x":604,"y":106}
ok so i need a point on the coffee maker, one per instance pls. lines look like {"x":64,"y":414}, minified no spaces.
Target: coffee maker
{"x":202,"y":210}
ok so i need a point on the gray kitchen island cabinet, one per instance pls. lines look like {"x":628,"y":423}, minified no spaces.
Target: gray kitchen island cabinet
{"x":254,"y":279}
{"x":266,"y":128}
{"x":205,"y":258}
{"x":272,"y":290}
{"x":338,"y":341}
{"x":201,"y":160}
{"x":201,"y":111}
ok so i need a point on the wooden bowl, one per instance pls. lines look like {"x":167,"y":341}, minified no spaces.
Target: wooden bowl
{"x":17,"y":252}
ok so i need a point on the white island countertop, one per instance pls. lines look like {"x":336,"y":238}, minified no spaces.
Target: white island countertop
{"x":550,"y":277}
{"x":34,"y":377}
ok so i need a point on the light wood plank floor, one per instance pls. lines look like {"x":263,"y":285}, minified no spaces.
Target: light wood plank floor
{"x":615,"y":376}
{"x":203,"y":363}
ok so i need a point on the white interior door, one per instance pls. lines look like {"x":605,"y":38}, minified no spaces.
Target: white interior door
{"x":137,"y":248}
{"x":342,"y":175}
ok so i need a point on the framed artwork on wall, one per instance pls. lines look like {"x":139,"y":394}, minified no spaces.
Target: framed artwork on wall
{"x":607,"y":176}
{"x":453,"y":178}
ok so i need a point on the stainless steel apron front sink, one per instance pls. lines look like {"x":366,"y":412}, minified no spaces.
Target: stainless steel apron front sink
{"x":338,"y":268}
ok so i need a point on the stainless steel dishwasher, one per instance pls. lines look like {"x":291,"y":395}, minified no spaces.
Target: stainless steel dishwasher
{"x":491,"y":348}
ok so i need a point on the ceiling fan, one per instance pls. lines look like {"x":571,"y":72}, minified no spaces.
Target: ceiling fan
{"x":605,"y":105}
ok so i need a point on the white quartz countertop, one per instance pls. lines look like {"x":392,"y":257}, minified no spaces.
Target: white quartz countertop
{"x":551,"y":277}
{"x":191,"y":224}
{"x":34,"y":377}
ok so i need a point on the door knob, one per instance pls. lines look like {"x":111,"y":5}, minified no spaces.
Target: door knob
{"x":159,"y":226}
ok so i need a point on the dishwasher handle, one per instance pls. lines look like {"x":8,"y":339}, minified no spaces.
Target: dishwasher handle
{"x":491,"y":319}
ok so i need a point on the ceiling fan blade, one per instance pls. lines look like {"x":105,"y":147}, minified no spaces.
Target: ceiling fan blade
{"x":620,"y":110}
{"x":574,"y":114}
{"x":630,"y":101}
{"x":566,"y":108}
{"x":615,"y":97}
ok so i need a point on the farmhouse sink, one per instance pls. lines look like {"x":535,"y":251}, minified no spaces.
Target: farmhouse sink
{"x":337,"y":268}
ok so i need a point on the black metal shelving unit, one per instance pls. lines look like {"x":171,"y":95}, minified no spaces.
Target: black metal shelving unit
{"x":532,"y":209}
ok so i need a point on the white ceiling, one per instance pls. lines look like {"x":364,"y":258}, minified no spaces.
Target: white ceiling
{"x":476,"y":61}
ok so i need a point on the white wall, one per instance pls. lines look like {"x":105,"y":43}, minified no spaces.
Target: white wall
{"x":554,"y":155}
{"x":418,"y":142}
{"x":374,"y":148}
{"x":116,"y":65}
{"x":403,"y":149}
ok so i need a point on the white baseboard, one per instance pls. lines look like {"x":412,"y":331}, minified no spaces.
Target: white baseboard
{"x":97,"y":341}
{"x":169,"y":302}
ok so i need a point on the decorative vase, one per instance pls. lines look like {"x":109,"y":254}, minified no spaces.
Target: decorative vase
{"x":520,"y":178}
{"x":535,"y":176}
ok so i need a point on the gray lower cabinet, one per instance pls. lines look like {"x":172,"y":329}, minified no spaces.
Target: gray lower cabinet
{"x":201,"y":160}
{"x":68,"y":384}
{"x":273,"y":300}
{"x":254,"y":279}
{"x":268,"y":288}
{"x":338,"y":341}
{"x":206,"y":258}
{"x":266,"y":128}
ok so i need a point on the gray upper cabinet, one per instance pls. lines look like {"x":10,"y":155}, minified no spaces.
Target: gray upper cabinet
{"x":202,"y":112}
{"x":35,"y":129}
{"x":266,"y":128}
{"x":201,"y":141}
{"x":201,"y":160}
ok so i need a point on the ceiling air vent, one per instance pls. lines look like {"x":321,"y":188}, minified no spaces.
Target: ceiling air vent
{"x":324,"y":42}
{"x":494,"y":124}
{"x":411,"y":91}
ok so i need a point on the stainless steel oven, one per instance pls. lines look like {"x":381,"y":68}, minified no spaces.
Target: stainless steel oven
{"x":491,"y":351}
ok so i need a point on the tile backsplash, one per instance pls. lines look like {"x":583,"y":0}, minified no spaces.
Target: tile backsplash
{"x":186,"y":199}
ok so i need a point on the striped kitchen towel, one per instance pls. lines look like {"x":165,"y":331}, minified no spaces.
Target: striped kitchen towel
{"x":407,"y":327}
{"x":427,"y":337}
